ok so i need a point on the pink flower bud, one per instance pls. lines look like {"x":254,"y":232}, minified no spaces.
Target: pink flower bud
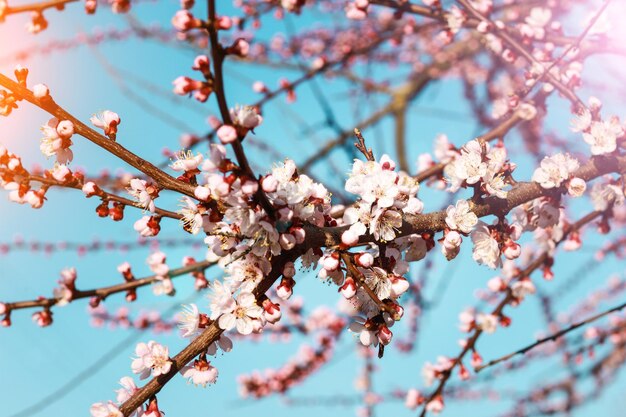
{"x":249,"y":187}
{"x":187,"y":4}
{"x":548,"y":275}
{"x":227,"y":134}
{"x":43,"y":318}
{"x":289,"y":270}
{"x":399,"y":286}
{"x":259,"y":87}
{"x":496,"y":284}
{"x":65,"y":129}
{"x":186,"y":85}
{"x":271,"y":311}
{"x":387,"y":163}
{"x":21,"y":74}
{"x":463,"y":373}
{"x":384,"y":335}
{"x":240,"y":47}
{"x":201,"y":63}
{"x":202,"y":193}
{"x":413,"y":399}
{"x":330,"y":263}
{"x":512,"y":250}
{"x":284,"y":290}
{"x":35,"y":198}
{"x":573,"y":242}
{"x":348,"y":289}
{"x":349,"y":238}
{"x":183,"y":21}
{"x":435,"y":405}
{"x":477,"y":360}
{"x":224,"y":23}
{"x":364,"y":259}
{"x":3,"y":308}
{"x":41,"y":91}
{"x":269,"y":183}
{"x":91,"y":6}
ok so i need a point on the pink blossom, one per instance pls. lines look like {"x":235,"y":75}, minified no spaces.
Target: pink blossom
{"x":152,"y":358}
{"x":242,"y":315}
{"x":202,"y":63}
{"x":183,"y":21}
{"x":246,"y":116}
{"x":200,"y":373}
{"x":227,"y":134}
{"x":105,"y":410}
{"x":240,"y":48}
{"x":90,"y":189}
{"x":41,"y":91}
{"x":126,"y":392}
{"x":108,"y":122}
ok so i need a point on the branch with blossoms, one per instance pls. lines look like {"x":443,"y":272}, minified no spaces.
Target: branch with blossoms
{"x":67,"y":291}
{"x":259,"y":228}
{"x":39,"y":23}
{"x":516,"y":289}
{"x":551,"y":338}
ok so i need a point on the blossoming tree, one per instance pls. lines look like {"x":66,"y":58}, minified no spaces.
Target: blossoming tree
{"x":515,"y":195}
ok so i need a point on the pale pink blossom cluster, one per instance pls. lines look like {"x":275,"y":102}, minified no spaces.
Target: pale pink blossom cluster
{"x":201,"y":90}
{"x":57,"y":140}
{"x":601,"y":135}
{"x":65,"y":291}
{"x":244,"y":119}
{"x":478,"y":165}
{"x":163,"y":284}
{"x":152,"y":359}
{"x":144,"y":192}
{"x":13,"y":176}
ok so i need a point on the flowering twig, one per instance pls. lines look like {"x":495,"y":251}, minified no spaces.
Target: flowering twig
{"x":360,"y":145}
{"x":218,"y":54}
{"x":104,"y":195}
{"x":104,"y":292}
{"x":201,"y":343}
{"x":164,"y":180}
{"x":497,"y":311}
{"x":552,"y":337}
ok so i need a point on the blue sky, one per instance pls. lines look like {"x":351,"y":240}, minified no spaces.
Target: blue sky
{"x":34,"y":361}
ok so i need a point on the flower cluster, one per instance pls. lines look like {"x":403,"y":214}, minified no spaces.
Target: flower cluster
{"x":57,"y":140}
{"x":152,"y":358}
{"x":244,"y":119}
{"x":479,"y":165}
{"x":554,"y":170}
{"x":201,"y":90}
{"x":384,"y":197}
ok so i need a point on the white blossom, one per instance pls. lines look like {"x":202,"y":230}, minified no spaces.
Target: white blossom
{"x":460,"y":217}
{"x":486,"y":248}
{"x":554,"y":170}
